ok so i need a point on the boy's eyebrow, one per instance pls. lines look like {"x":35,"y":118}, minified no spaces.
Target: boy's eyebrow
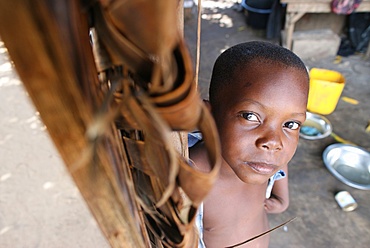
{"x":302,"y":114}
{"x":299,"y":114}
{"x":262,"y":106}
{"x":252,"y":101}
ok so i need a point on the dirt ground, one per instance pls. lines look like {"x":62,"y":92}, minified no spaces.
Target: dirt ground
{"x":39,"y":204}
{"x":41,"y":207}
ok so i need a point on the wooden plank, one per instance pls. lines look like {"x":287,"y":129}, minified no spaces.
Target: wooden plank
{"x":363,"y":7}
{"x":305,"y":1}
{"x":309,"y":8}
{"x":319,"y":6}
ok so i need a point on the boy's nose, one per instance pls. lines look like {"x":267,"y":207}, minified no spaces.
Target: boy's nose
{"x":270,"y":141}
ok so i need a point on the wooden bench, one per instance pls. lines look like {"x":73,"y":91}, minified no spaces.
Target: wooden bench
{"x":297,"y":8}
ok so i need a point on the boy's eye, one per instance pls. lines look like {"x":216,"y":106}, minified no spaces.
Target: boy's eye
{"x":292,"y":125}
{"x":250,"y":116}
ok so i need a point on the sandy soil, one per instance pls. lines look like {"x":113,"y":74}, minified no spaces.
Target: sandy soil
{"x":39,"y":204}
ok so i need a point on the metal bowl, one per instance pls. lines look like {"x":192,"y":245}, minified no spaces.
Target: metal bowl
{"x":315,"y":127}
{"x":350,"y":164}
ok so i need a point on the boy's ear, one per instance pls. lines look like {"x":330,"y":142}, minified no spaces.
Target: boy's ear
{"x":207,"y":103}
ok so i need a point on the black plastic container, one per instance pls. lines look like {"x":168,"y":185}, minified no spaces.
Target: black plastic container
{"x":258,"y":12}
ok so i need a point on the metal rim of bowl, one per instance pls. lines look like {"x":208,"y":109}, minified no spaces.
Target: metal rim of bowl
{"x":309,"y":115}
{"x":335,"y":173}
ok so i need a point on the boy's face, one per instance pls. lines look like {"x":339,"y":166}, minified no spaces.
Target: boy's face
{"x":259,"y":118}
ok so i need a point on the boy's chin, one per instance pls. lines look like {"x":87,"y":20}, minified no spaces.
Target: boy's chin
{"x":255,"y":179}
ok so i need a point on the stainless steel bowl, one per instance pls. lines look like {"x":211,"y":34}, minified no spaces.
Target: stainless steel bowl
{"x":315,"y":127}
{"x":350,"y":164}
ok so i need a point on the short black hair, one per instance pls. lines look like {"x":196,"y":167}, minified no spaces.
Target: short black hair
{"x":243,"y":54}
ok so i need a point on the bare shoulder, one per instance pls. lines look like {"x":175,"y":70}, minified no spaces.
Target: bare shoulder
{"x":198,"y":155}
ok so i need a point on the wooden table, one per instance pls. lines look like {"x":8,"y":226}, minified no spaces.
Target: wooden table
{"x":297,"y":8}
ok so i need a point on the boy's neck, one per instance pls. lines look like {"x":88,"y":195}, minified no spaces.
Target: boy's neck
{"x":228,"y":177}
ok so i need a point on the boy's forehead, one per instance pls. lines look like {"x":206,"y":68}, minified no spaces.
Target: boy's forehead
{"x":261,"y":68}
{"x":257,"y":76}
{"x":261,"y":76}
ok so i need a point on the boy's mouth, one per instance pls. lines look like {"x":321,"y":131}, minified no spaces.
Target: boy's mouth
{"x":262,"y":168}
